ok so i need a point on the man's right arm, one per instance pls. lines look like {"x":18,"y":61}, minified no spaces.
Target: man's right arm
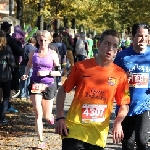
{"x":69,"y":84}
{"x":60,"y":119}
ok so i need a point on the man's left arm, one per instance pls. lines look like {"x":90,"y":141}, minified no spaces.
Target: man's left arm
{"x":122,"y":99}
{"x":118,"y":134}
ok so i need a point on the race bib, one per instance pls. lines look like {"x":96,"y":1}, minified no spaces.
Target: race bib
{"x":139,"y":80}
{"x":38,"y":87}
{"x":93,"y":113}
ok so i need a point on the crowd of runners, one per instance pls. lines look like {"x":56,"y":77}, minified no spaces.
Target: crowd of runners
{"x":100,"y":69}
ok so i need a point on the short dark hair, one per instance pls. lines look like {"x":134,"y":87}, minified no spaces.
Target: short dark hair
{"x":32,"y":40}
{"x":113,"y":33}
{"x":136,"y":26}
{"x":55,"y":35}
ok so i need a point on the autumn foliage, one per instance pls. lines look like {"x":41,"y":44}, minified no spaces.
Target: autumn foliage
{"x":94,"y":14}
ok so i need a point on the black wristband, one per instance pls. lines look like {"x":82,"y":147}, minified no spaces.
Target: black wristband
{"x":59,"y":118}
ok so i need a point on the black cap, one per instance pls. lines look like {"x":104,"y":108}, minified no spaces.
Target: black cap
{"x":5,"y":25}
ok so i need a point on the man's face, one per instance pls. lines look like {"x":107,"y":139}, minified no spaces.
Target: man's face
{"x":108,"y":47}
{"x":140,"y":40}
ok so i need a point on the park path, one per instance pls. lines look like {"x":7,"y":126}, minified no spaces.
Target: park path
{"x":25,"y":136}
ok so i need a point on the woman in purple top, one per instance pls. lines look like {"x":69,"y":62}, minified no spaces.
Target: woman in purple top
{"x":42,"y":87}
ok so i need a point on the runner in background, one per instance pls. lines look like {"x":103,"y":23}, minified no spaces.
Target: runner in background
{"x":90,"y":45}
{"x":81,"y":48}
{"x":127,"y":42}
{"x":42,"y":87}
{"x":29,"y":46}
{"x":68,"y":41}
{"x":77,"y":36}
{"x":95,"y":45}
{"x":97,"y":82}
{"x":57,"y":41}
{"x":135,"y":60}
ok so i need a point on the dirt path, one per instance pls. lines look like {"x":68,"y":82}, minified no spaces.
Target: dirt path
{"x":20,"y":133}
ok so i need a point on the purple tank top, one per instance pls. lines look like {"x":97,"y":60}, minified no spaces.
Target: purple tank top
{"x":42,"y":64}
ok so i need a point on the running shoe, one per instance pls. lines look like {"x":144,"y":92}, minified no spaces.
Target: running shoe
{"x":11,"y":110}
{"x":41,"y":145}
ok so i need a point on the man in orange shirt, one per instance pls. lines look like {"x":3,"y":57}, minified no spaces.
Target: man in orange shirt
{"x":97,"y":81}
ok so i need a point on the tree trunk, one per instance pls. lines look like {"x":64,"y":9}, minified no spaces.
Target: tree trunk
{"x":40,"y":17}
{"x":10,"y":7}
{"x":20,"y":12}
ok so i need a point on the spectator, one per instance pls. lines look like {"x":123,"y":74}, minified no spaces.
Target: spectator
{"x":17,"y":51}
{"x":7,"y":63}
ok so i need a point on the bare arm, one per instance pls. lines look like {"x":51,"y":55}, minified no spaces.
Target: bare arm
{"x":60,"y":121}
{"x":122,"y":113}
{"x":61,"y":95}
{"x":123,"y":99}
{"x":117,"y":128}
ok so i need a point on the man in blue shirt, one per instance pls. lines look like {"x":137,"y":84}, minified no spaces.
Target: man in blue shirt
{"x":135,"y":60}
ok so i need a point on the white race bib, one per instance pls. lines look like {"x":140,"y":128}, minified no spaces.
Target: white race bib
{"x":139,"y":80}
{"x":93,"y":113}
{"x":38,"y":87}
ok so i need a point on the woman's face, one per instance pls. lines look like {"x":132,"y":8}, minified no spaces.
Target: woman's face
{"x":43,"y":42}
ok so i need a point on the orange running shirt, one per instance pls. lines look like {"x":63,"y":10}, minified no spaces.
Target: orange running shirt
{"x":95,"y":90}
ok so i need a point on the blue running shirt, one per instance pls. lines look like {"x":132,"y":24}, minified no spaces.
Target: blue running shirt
{"x":138,"y":65}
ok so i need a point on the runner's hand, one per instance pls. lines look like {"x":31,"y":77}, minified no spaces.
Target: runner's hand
{"x":60,"y":125}
{"x":24,"y":77}
{"x":42,"y":73}
{"x":117,"y":133}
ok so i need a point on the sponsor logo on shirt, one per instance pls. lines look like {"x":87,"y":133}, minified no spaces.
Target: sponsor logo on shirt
{"x":111,"y":81}
{"x":96,"y":94}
